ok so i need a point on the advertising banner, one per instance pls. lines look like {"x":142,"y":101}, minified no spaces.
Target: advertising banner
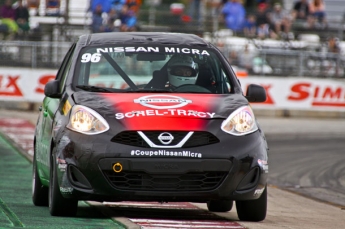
{"x":297,"y":93}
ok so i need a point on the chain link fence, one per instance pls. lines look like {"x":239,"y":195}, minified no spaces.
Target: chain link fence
{"x":261,"y":61}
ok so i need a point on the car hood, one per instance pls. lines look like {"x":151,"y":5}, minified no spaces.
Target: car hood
{"x":149,"y":111}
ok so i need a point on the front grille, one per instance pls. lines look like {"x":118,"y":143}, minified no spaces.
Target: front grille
{"x":132,"y":138}
{"x":141,"y":181}
{"x":201,"y":138}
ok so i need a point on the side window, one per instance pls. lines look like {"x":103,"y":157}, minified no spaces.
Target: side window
{"x":65,"y":66}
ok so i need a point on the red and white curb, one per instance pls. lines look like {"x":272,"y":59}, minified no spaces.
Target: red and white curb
{"x":21,"y":133}
{"x":185,"y":224}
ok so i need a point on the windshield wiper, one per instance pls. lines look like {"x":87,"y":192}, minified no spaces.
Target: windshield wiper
{"x":97,"y":89}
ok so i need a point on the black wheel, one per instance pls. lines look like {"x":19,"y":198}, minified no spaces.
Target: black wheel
{"x":58,"y":205}
{"x":39,"y":192}
{"x":219,"y":205}
{"x":253,"y":210}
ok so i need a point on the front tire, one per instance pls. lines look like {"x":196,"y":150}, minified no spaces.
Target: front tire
{"x":39,"y":192}
{"x":253,"y":210}
{"x":58,"y":205}
{"x":219,"y":205}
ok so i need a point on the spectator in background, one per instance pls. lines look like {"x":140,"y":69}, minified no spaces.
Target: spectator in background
{"x":97,"y":19}
{"x":111,"y":25}
{"x":128,"y":19}
{"x":281,"y":21}
{"x":300,"y":10}
{"x":8,"y":15}
{"x":263,"y":26}
{"x":246,"y":57}
{"x":7,"y":10}
{"x":318,"y":14}
{"x":333,"y":45}
{"x":234,"y":15}
{"x":331,"y":63}
{"x":249,"y":28}
{"x":22,"y":17}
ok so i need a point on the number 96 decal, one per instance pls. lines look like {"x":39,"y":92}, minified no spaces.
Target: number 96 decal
{"x":94,"y":58}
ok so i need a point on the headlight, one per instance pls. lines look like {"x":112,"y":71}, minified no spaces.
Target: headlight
{"x":87,"y":121}
{"x":240,"y":122}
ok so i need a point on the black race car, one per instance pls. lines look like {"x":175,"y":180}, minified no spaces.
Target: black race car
{"x":149,"y":117}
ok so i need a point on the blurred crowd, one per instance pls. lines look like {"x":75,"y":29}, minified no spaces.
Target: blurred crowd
{"x":107,"y":15}
{"x":14,"y":19}
{"x":263,"y":19}
{"x":114,"y":15}
{"x":272,"y":20}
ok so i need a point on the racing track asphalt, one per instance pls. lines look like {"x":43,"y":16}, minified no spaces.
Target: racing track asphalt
{"x":285,"y":209}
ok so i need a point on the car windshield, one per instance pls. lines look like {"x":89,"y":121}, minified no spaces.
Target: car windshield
{"x":151,"y":69}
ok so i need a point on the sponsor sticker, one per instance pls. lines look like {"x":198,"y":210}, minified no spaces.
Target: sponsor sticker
{"x":263,"y":164}
{"x":259,"y":191}
{"x":66,"y":189}
{"x":167,"y":50}
{"x":166,"y":153}
{"x":66,"y":108}
{"x":167,"y":112}
{"x":162,"y":101}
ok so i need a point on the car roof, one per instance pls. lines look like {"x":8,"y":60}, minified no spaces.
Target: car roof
{"x":142,"y":38}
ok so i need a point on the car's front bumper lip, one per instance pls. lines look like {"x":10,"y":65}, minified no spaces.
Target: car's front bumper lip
{"x":178,"y":180}
{"x":98,"y":165}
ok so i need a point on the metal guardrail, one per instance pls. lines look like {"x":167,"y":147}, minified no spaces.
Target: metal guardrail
{"x":266,"y":61}
{"x":32,"y":54}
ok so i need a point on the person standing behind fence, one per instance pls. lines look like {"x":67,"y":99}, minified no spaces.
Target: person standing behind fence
{"x":234,"y":15}
{"x":7,"y":15}
{"x":22,"y":18}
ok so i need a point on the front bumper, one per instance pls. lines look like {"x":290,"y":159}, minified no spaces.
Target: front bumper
{"x":232,"y":170}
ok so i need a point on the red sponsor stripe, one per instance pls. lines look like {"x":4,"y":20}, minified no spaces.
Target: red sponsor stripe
{"x":160,"y":117}
{"x":328,"y":104}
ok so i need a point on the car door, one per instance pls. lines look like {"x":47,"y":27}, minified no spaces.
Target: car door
{"x":48,"y":111}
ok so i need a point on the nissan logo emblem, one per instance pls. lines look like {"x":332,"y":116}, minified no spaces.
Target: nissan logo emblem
{"x":165,"y":138}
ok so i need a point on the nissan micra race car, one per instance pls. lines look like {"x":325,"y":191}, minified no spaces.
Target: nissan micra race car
{"x":149,"y":117}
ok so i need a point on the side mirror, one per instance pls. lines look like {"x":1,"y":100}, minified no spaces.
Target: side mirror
{"x":52,"y":89}
{"x":256,"y":93}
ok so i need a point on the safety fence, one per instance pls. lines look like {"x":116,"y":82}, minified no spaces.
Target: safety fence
{"x":260,"y":60}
